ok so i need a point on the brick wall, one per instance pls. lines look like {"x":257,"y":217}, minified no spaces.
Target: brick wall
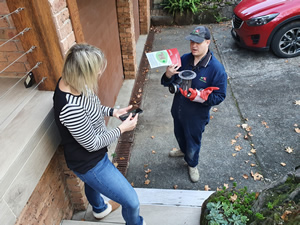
{"x":144,"y":13}
{"x":127,"y":37}
{"x":11,"y":50}
{"x":50,"y":201}
{"x":62,"y":21}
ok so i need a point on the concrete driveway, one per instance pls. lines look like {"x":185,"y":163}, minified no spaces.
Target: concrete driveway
{"x":261,"y":98}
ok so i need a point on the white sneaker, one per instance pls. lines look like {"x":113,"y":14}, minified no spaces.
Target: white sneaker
{"x":194,"y":174}
{"x":104,"y":213}
{"x":176,"y":153}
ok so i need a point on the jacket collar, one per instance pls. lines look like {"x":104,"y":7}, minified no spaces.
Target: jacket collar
{"x":203,"y":62}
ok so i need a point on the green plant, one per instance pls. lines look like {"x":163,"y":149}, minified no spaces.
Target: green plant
{"x":181,"y":6}
{"x":270,"y":205}
{"x":259,"y":216}
{"x":230,"y":207}
{"x":219,"y":18}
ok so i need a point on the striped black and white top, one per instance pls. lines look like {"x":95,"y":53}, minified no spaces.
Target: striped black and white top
{"x":81,"y":123}
{"x":84,"y":118}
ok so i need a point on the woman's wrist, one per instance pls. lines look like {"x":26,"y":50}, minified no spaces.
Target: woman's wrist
{"x":111,"y":112}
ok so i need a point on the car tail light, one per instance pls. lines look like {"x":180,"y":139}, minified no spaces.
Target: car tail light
{"x":236,"y":21}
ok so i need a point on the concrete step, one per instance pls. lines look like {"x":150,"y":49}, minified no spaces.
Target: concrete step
{"x":29,"y":138}
{"x":158,"y":206}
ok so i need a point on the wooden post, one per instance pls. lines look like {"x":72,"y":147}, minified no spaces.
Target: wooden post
{"x":74,"y":15}
{"x":37,"y":16}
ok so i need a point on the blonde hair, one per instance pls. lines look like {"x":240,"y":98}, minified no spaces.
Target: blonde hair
{"x":82,"y":66}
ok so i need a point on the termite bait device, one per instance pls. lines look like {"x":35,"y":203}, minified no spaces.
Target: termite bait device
{"x":184,"y":81}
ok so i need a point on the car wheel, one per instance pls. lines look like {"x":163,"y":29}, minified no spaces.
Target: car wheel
{"x":286,"y":42}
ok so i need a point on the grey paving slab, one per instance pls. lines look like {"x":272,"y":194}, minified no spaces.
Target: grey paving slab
{"x":167,"y":215}
{"x":158,"y":206}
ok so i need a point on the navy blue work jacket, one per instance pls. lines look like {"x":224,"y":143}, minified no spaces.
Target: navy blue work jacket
{"x":210,"y":73}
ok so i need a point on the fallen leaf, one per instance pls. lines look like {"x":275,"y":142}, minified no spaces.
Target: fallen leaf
{"x":206,"y":188}
{"x":246,"y":161}
{"x":233,"y":198}
{"x":297,"y":130}
{"x":211,"y":117}
{"x":226,"y":186}
{"x":244,"y":126}
{"x":166,"y":96}
{"x":245,"y":176}
{"x":252,"y":164}
{"x":122,"y":158}
{"x":215,"y":109}
{"x":238,"y":148}
{"x":231,"y":178}
{"x":265,"y":124}
{"x":174,"y":149}
{"x":175,"y":186}
{"x":238,"y":125}
{"x":249,"y":153}
{"x":295,"y":125}
{"x":237,"y":136}
{"x":253,"y":150}
{"x":153,"y":152}
{"x":287,"y":212}
{"x":147,"y":182}
{"x":132,"y":184}
{"x":116,"y":164}
{"x":146,"y":176}
{"x":297,"y":102}
{"x":234,"y":154}
{"x":219,"y":189}
{"x":256,"y":195}
{"x":152,"y":137}
{"x":250,"y":134}
{"x":246,"y":119}
{"x":256,"y":176}
{"x":145,"y":165}
{"x":248,"y":129}
{"x":289,"y":150}
{"x":283,"y":164}
{"x":246,"y":137}
{"x":233,"y":142}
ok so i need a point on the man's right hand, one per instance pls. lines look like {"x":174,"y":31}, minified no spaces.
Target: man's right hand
{"x":172,"y":70}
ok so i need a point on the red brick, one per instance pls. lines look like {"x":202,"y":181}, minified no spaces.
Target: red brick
{"x":3,"y":8}
{"x":8,"y":33}
{"x":9,"y":46}
{"x":58,"y":5}
{"x":62,"y":17}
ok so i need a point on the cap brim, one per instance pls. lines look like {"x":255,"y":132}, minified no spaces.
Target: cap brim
{"x":194,"y":38}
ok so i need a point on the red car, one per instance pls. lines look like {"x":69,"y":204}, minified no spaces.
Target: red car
{"x":268,"y":24}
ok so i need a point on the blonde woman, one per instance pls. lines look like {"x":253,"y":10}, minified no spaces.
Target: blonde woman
{"x":80,"y":119}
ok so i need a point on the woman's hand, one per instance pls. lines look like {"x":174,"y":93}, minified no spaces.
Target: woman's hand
{"x":129,"y":124}
{"x":172,"y":70}
{"x":119,"y":112}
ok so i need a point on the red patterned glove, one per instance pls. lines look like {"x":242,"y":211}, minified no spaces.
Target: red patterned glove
{"x":196,"y":95}
{"x":207,"y":91}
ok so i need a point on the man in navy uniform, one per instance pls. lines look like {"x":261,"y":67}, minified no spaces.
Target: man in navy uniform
{"x":190,"y":108}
